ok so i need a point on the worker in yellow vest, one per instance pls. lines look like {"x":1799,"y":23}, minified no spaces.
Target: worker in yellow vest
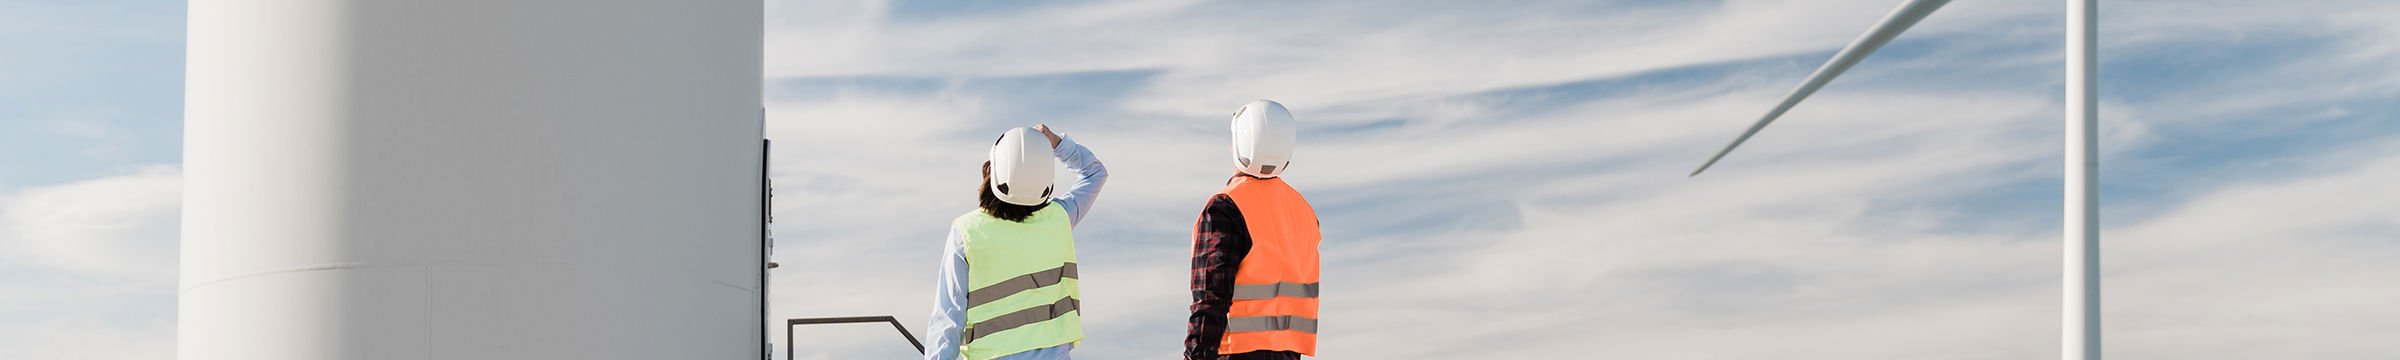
{"x":1008,"y":286}
{"x":1254,"y":252}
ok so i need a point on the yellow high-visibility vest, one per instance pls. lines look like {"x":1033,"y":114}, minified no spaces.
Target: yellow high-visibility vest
{"x":1021,"y":276}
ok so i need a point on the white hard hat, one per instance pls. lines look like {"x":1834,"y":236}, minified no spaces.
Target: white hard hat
{"x":1022,"y":167}
{"x":1263,"y":134}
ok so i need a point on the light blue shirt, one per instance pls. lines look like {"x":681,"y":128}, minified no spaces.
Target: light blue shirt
{"x":950,"y":291}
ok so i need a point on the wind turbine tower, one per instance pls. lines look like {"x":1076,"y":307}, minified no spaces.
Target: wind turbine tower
{"x":472,"y":179}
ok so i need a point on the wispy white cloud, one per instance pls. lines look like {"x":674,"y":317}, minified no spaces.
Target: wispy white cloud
{"x":1328,"y":53}
{"x":120,"y":225}
{"x":89,"y":268}
{"x":2252,"y":270}
{"x":89,"y":335}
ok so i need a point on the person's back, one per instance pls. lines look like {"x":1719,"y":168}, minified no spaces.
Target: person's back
{"x":1023,"y":288}
{"x":1008,"y":287}
{"x":1254,"y":252}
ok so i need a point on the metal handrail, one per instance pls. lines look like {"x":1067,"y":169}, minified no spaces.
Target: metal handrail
{"x":788,"y":324}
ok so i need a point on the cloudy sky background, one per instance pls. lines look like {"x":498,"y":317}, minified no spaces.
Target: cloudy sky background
{"x":1495,"y":180}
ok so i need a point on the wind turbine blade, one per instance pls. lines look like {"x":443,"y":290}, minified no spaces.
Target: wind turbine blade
{"x":1907,"y":15}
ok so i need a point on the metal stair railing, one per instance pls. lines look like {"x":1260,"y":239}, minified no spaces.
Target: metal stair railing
{"x":789,"y":323}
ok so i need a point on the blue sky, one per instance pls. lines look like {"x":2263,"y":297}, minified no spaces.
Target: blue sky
{"x":1496,"y":180}
{"x":91,"y":87}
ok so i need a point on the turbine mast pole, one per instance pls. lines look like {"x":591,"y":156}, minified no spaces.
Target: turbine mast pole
{"x":2080,"y":330}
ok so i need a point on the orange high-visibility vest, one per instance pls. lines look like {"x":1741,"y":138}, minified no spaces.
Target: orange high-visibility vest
{"x":1275,"y":290}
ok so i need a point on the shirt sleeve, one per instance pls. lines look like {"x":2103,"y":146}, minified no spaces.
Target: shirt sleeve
{"x":949,"y":302}
{"x":1219,"y":242}
{"x":1090,"y":175}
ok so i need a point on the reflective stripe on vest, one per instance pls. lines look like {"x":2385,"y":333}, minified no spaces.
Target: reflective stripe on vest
{"x":1019,"y":284}
{"x":1021,"y":277}
{"x":1275,"y":290}
{"x":1269,"y":291}
{"x":1271,"y":323}
{"x":1032,"y":315}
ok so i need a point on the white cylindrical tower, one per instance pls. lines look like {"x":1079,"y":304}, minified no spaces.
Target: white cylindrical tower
{"x":472,"y":179}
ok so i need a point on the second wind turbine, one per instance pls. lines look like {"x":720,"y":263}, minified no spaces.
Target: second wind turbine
{"x":2080,"y":323}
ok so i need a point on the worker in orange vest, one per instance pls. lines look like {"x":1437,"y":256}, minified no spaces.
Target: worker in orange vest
{"x":1254,"y":252}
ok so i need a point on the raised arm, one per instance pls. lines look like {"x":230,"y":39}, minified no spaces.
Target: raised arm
{"x":1089,"y":176}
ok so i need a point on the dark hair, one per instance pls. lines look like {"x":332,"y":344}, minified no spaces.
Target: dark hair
{"x":1002,"y":209}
